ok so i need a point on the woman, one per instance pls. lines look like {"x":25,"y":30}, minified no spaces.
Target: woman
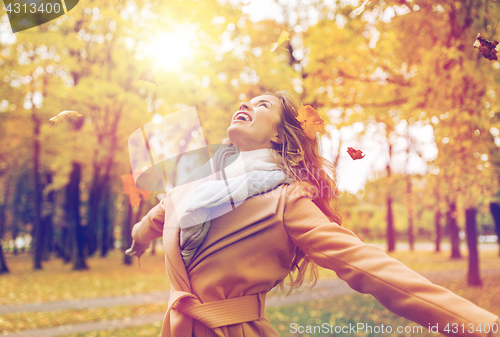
{"x":225,"y":249}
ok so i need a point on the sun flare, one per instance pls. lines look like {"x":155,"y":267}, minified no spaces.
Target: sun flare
{"x":171,"y":48}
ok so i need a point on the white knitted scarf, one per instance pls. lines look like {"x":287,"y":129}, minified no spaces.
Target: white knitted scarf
{"x":250,"y":173}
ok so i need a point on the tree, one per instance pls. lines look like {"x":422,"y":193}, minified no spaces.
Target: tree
{"x":5,"y":195}
{"x":473,"y":277}
{"x":495,"y":211}
{"x":73,"y":206}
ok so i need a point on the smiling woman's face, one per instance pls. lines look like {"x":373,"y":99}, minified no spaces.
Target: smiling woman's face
{"x":255,"y":124}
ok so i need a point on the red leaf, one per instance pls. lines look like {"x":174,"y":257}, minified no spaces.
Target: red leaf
{"x":355,"y":154}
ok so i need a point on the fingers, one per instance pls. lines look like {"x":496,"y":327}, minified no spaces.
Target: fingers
{"x":130,"y":252}
{"x":136,"y":249}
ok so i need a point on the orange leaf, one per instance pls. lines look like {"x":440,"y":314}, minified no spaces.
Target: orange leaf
{"x":133,"y":192}
{"x":355,"y":154}
{"x":310,"y":121}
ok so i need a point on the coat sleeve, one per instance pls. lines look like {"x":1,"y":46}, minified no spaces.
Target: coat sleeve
{"x":369,"y":270}
{"x":151,"y":225}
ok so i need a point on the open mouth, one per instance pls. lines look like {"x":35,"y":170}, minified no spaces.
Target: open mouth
{"x":242,"y":116}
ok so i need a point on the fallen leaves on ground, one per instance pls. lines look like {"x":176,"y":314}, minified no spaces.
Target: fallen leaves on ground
{"x":38,"y":320}
{"x":58,"y":282}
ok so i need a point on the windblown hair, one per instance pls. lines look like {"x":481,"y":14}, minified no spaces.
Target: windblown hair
{"x":301,"y":160}
{"x":299,"y":157}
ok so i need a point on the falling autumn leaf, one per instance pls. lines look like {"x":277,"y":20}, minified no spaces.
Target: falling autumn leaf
{"x":134,"y":193}
{"x":59,"y":118}
{"x":310,"y":121}
{"x":284,"y":36}
{"x":355,"y":154}
{"x":148,"y":76}
{"x":361,"y":8}
{"x":489,"y":49}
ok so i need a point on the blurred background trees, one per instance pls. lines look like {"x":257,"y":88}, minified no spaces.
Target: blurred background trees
{"x":401,"y":81}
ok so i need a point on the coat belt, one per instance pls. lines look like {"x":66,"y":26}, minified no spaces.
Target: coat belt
{"x":218,"y":313}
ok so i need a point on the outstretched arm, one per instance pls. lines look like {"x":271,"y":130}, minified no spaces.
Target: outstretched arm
{"x":151,"y":225}
{"x":148,"y":229}
{"x":368,"y":269}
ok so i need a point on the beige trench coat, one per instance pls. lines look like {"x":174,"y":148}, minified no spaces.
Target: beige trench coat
{"x":248,"y":251}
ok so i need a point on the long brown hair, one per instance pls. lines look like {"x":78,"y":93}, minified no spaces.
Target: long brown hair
{"x":301,"y":160}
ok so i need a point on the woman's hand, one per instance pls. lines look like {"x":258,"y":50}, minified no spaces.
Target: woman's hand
{"x":137,"y":249}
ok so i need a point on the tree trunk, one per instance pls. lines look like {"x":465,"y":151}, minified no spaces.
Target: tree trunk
{"x":38,"y":223}
{"x":451,"y":221}
{"x":47,"y":237}
{"x":106,"y":223}
{"x":153,"y":247}
{"x":15,"y":233}
{"x":391,"y":233}
{"x":67,"y":243}
{"x":473,"y":278}
{"x":409,"y":199}
{"x":495,"y":211}
{"x":48,"y":222}
{"x":73,"y":196}
{"x":104,"y":206}
{"x":127,"y":232}
{"x":411,"y":236}
{"x":93,"y":210}
{"x":3,"y":264}
{"x":437,"y":225}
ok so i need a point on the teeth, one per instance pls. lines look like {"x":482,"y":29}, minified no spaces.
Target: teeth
{"x":242,"y":116}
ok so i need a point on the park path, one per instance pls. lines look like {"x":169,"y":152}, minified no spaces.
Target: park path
{"x":324,"y":289}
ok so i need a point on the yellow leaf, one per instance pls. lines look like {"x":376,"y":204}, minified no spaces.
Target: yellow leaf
{"x":148,"y":76}
{"x":59,"y":118}
{"x":284,"y":36}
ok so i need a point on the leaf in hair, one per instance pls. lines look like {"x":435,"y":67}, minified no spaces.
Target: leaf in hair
{"x":310,"y":121}
{"x":355,"y":154}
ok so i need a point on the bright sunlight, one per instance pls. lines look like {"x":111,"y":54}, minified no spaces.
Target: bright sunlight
{"x":171,"y":48}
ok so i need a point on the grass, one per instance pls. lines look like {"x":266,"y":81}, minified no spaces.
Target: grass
{"x":58,"y":282}
{"x":24,"y":321}
{"x":429,"y":261}
{"x":340,"y":311}
{"x":109,"y":277}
